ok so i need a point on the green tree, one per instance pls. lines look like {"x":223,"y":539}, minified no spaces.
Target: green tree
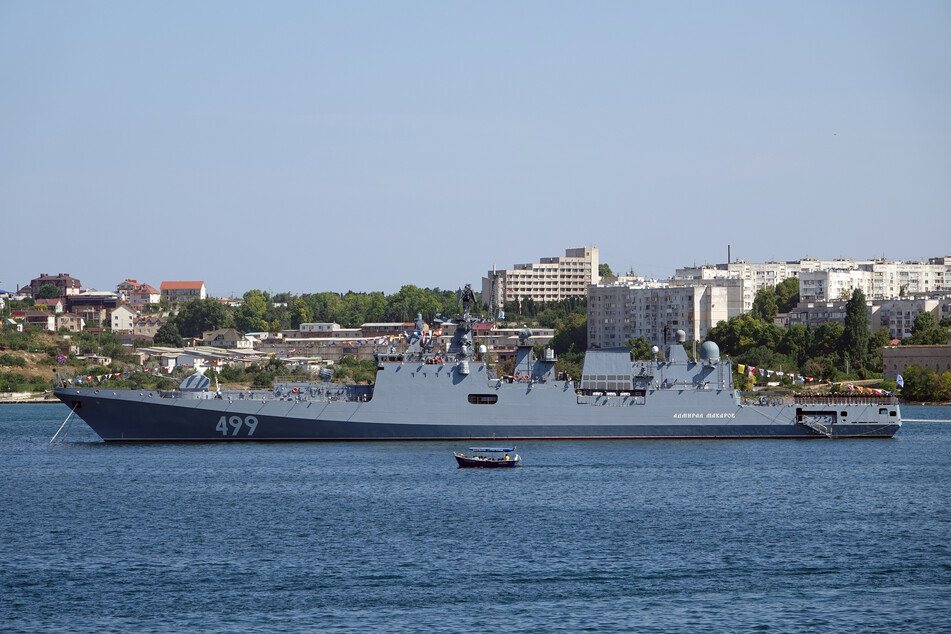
{"x":249,"y":317}
{"x":168,"y":335}
{"x":827,"y":339}
{"x":924,"y":384}
{"x":787,"y":294}
{"x":926,"y":332}
{"x":876,"y":346}
{"x":572,"y":336}
{"x":198,"y":315}
{"x":765,"y":305}
{"x":641,"y":348}
{"x":301,"y":313}
{"x":410,"y":300}
{"x":48,"y":291}
{"x":855,"y":334}
{"x":797,"y":342}
{"x":604,"y":270}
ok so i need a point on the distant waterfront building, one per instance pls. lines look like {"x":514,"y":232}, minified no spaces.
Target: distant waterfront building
{"x":66,"y":284}
{"x":549,"y":279}
{"x":895,"y":359}
{"x":618,"y":312}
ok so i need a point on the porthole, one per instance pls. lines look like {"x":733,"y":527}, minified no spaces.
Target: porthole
{"x":483,"y":399}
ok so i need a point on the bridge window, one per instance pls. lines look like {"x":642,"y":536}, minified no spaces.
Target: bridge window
{"x":483,"y":399}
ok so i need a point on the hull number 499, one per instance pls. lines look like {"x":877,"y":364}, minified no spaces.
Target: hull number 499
{"x":234,"y":424}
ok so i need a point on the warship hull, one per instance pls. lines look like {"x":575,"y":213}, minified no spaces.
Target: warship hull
{"x":431,"y":392}
{"x":438,"y":403}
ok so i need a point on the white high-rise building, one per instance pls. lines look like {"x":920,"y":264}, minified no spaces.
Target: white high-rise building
{"x":548,"y":280}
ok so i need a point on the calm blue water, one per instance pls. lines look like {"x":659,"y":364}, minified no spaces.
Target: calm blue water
{"x":847,"y":535}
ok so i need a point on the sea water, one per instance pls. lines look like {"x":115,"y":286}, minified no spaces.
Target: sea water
{"x":779,"y":535}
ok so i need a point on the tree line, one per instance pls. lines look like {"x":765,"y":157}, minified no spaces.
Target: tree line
{"x":831,"y":351}
{"x":263,"y":312}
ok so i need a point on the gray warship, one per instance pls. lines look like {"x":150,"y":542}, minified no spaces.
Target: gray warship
{"x":423,"y":393}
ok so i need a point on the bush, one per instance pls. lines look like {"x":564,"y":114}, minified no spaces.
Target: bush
{"x":12,"y":361}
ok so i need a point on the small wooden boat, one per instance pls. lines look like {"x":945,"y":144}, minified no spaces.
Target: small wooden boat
{"x":482,"y":458}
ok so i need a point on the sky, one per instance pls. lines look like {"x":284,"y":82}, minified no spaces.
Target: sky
{"x":334,"y":146}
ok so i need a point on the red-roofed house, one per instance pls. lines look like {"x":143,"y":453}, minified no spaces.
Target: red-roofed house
{"x":177,"y":292}
{"x":125,"y":286}
{"x":54,"y":305}
{"x":143,"y":294}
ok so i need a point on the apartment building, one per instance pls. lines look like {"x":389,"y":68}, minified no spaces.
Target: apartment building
{"x":898,"y":315}
{"x":549,"y":279}
{"x":618,"y":312}
{"x":828,"y":280}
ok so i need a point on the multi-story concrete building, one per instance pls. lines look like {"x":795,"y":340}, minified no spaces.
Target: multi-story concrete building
{"x":816,"y":313}
{"x":830,"y":280}
{"x":178,"y":292}
{"x":831,"y":285}
{"x":739,"y":300}
{"x":618,"y":312}
{"x":898,"y":315}
{"x":548,"y":280}
{"x":753,"y":276}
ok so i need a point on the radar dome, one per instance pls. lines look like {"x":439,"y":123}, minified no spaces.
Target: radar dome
{"x":710,"y":351}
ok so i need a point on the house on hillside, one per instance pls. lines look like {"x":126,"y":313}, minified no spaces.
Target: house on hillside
{"x":53,"y":305}
{"x":179,"y":292}
{"x":125,"y":286}
{"x":42,"y":318}
{"x":122,"y":319}
{"x":143,"y":295}
{"x":67,"y":285}
{"x":147,"y":326}
{"x":93,"y":306}
{"x":71,"y":322}
{"x":226,"y":338}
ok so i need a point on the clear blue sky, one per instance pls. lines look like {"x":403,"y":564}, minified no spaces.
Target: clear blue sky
{"x":311,"y":146}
